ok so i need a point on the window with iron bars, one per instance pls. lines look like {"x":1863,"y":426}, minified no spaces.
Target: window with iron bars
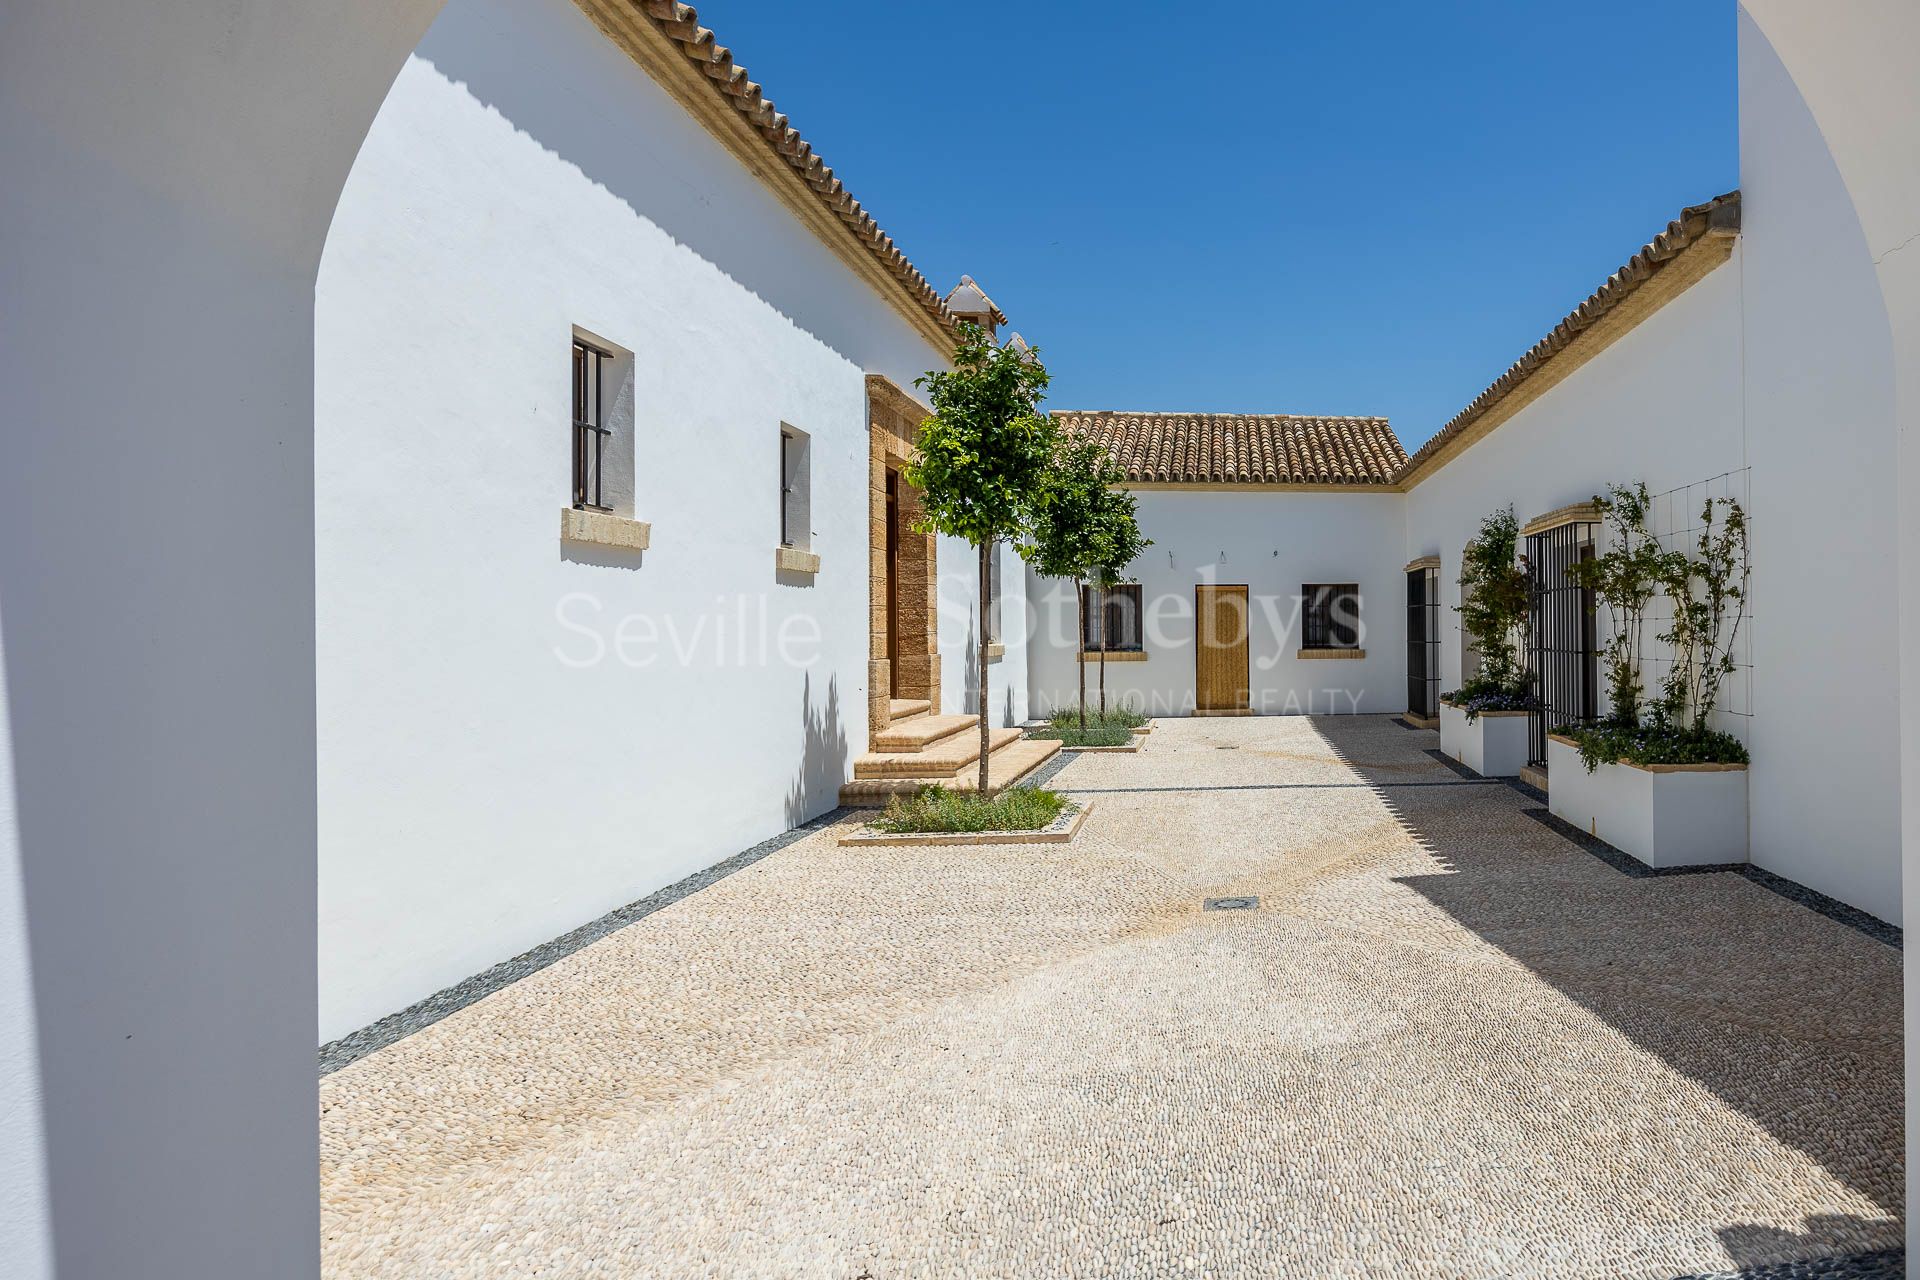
{"x":993,"y":595}
{"x":787,"y":459}
{"x":590,"y":432}
{"x":1112,"y":619}
{"x":1331,"y":615}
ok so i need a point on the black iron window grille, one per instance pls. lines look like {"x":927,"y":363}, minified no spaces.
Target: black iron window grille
{"x":589,"y":424}
{"x":993,"y":595}
{"x":1331,"y":616}
{"x":1111,"y":618}
{"x":787,"y":452}
{"x":1423,"y":642}
{"x":1563,"y":653}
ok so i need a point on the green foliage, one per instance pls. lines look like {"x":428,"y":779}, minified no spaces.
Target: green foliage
{"x":1482,"y":693}
{"x":981,"y":459}
{"x":1062,"y":539}
{"x":1624,"y":579}
{"x":1708,"y":594}
{"x":1107,"y":718}
{"x":1495,"y":603}
{"x":1086,"y":727}
{"x":933,"y":809}
{"x":1117,"y":540}
{"x":1085,"y":526}
{"x":980,"y":462}
{"x":1094,"y":735}
{"x":1652,"y":744}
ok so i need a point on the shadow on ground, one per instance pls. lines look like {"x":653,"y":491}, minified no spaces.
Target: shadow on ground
{"x":1789,"y":1017}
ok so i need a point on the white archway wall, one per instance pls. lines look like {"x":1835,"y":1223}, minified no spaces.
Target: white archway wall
{"x":175,"y":169}
{"x":156,"y":586}
{"x":1853,"y":65}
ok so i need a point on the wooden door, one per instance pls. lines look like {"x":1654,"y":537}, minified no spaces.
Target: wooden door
{"x":1221,"y":681}
{"x":893,"y":583}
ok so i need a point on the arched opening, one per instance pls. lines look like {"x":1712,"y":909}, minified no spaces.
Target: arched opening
{"x":175,"y":171}
{"x":157,"y":828}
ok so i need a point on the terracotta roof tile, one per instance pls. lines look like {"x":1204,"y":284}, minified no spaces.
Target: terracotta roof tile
{"x":1235,"y":448}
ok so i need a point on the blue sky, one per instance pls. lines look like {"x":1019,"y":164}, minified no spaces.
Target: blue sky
{"x":1332,"y":208}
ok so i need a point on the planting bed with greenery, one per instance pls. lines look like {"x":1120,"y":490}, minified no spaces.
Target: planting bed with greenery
{"x":1476,"y":696}
{"x":1652,"y":744}
{"x":1110,"y":728}
{"x":935,"y":809}
{"x":1706,"y":593}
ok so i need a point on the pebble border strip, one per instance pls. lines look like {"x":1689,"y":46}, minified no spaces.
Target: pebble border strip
{"x":1885,"y":1264}
{"x":1628,"y":865}
{"x":1812,"y":899}
{"x":395,"y":1027}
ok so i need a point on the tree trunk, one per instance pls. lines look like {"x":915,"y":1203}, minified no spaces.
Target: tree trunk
{"x":986,"y":604}
{"x":1105,"y":640}
{"x":1080,"y":652}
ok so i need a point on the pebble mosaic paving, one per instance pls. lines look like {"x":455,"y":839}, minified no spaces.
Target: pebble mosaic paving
{"x":1447,"y":1043}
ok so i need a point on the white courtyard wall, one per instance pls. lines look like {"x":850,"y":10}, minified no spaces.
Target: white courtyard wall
{"x":1819,"y":403}
{"x":960,"y":632}
{"x":1274,"y":543}
{"x":1768,"y":382}
{"x":517,"y":735}
{"x":1661,"y":405}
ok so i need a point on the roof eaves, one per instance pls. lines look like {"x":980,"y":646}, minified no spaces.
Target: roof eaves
{"x":1718,"y":218}
{"x":680,"y":25}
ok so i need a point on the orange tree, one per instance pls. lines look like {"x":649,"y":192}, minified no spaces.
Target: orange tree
{"x":980,"y":461}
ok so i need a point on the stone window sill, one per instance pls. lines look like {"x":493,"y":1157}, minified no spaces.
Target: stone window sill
{"x":1115,"y":655}
{"x":996,"y":651}
{"x":604,"y":528}
{"x":794,"y":560}
{"x":1349,"y":654}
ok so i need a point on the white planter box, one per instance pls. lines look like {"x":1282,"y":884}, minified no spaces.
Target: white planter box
{"x":1493,"y":746}
{"x":1667,"y":815}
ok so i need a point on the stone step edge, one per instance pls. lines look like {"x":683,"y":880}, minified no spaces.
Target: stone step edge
{"x":872,"y":793}
{"x":953,"y":754}
{"x":894,"y":740}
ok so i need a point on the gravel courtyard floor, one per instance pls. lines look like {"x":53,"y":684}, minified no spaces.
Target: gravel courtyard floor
{"x":1448,"y":1043}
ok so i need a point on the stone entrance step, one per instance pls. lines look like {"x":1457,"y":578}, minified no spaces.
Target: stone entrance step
{"x":1006,"y":766}
{"x":899,"y":709}
{"x":921,"y":732}
{"x":942,"y":758}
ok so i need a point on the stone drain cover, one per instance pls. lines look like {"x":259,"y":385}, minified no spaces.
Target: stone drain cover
{"x":1229,"y":904}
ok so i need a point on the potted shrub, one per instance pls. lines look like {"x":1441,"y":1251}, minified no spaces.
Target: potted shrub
{"x":1656,"y":780}
{"x":1483,"y":724}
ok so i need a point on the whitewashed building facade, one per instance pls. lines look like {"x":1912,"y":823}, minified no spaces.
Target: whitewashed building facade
{"x":159,"y":822}
{"x":536,"y":703}
{"x":1738,"y":355}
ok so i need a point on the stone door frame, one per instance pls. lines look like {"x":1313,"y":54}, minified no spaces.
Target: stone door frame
{"x":893,"y":419}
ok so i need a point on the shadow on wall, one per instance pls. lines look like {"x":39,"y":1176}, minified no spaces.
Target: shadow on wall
{"x":548,"y":70}
{"x":1785,"y":1016}
{"x":823,"y":757}
{"x":602,"y":557}
{"x":970,"y":663}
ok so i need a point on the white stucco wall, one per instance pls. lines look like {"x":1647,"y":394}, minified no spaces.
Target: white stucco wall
{"x":1820,"y":436}
{"x":1661,"y":405}
{"x":960,"y":633}
{"x":172,"y":170}
{"x":492,"y":772}
{"x":1274,"y":543}
{"x":1767,"y":382}
{"x":1852,"y":65}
